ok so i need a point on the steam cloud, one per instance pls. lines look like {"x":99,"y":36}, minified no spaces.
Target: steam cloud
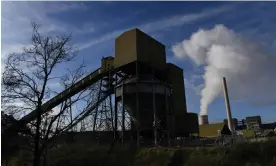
{"x":250,"y":70}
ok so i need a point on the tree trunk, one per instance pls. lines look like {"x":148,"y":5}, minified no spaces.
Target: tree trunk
{"x":36,"y":161}
{"x":45,"y":154}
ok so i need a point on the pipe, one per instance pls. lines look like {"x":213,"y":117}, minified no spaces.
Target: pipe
{"x":228,"y":109}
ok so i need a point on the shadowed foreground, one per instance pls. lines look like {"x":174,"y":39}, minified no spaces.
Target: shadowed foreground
{"x":250,"y":154}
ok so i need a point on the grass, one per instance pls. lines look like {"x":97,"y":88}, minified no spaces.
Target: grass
{"x":246,"y":154}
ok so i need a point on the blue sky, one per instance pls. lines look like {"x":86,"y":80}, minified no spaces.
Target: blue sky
{"x":95,"y":25}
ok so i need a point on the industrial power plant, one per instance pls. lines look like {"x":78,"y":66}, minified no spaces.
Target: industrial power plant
{"x":140,"y":98}
{"x":148,"y":95}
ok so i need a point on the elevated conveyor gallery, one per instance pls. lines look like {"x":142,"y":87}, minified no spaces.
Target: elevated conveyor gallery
{"x":66,"y":94}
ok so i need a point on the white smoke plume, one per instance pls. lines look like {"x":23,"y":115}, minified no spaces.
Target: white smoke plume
{"x":250,"y":69}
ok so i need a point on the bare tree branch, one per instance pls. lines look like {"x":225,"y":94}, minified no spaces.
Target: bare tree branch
{"x":26,"y":80}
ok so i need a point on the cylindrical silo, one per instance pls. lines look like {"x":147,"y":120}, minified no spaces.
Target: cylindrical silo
{"x":203,"y":119}
{"x":153,"y":104}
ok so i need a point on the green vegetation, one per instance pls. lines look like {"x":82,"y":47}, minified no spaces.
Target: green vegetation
{"x":246,"y":154}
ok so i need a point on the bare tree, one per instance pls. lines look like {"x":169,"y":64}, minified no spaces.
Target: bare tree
{"x":54,"y":123}
{"x":26,"y":80}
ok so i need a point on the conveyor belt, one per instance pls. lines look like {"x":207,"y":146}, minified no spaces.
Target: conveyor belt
{"x":79,"y":86}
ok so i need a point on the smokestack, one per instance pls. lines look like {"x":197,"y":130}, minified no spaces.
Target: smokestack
{"x":228,"y":109}
{"x":203,"y":119}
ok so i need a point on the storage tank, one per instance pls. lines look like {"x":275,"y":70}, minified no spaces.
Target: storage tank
{"x":203,"y":119}
{"x":153,"y":95}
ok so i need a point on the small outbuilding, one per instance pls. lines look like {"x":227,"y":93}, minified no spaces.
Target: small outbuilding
{"x":213,"y":130}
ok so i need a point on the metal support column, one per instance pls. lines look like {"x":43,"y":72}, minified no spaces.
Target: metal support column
{"x":167,"y":118}
{"x":154,"y":114}
{"x":71,"y":113}
{"x":123,"y":114}
{"x":115,"y":111}
{"x":137,"y":106}
{"x":171,"y":112}
{"x":110,"y":98}
{"x":97,"y":107}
